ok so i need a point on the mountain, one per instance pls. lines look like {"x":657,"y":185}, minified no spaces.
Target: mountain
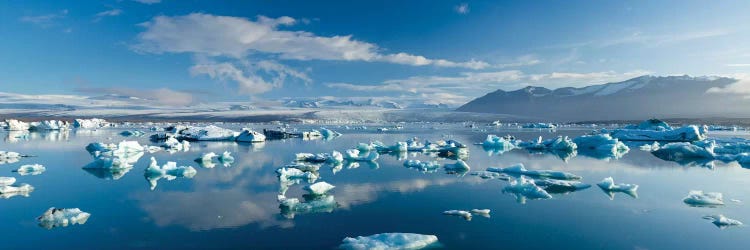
{"x":638,"y":98}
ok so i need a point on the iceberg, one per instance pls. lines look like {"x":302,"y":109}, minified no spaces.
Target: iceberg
{"x":356,"y":155}
{"x":57,"y":217}
{"x":519,"y":169}
{"x":651,"y":124}
{"x":698,"y":198}
{"x":683,"y":134}
{"x":31,"y":169}
{"x":8,"y":191}
{"x":422,"y":166}
{"x":525,"y":189}
{"x":561,"y":186}
{"x":722,"y":221}
{"x":9,"y":157}
{"x":226,"y":159}
{"x":319,"y":188}
{"x":679,"y":151}
{"x":208,"y":133}
{"x":248,"y":135}
{"x":90,"y":123}
{"x":169,"y":171}
{"x":48,"y":125}
{"x":389,"y":241}
{"x":16,"y":125}
{"x":500,"y":144}
{"x":174,"y":145}
{"x":206,"y":160}
{"x":458,"y":166}
{"x":123,"y":148}
{"x":555,"y":144}
{"x":600,"y":146}
{"x":317,"y":204}
{"x":461,"y":213}
{"x":650,"y":147}
{"x":329,"y":134}
{"x":291,"y":174}
{"x":540,"y":125}
{"x":334,"y":158}
{"x":609,"y":187}
{"x":5,"y":181}
{"x":481,"y":212}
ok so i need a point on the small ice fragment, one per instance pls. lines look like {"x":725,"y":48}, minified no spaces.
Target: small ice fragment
{"x":169,"y":171}
{"x":464,"y":214}
{"x":6,"y":181}
{"x":481,"y":212}
{"x":32,"y":169}
{"x":10,"y":191}
{"x":56,"y":217}
{"x":519,"y":169}
{"x":319,"y":188}
{"x":460,"y":165}
{"x":524,"y":189}
{"x":248,"y":135}
{"x":389,"y":241}
{"x":722,"y":221}
{"x":698,"y":198}
{"x":356,"y":155}
{"x":610,"y":188}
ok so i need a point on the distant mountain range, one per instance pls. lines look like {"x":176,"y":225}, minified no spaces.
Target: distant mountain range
{"x":638,"y":98}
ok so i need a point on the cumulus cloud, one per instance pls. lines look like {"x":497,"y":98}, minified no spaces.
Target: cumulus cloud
{"x":248,"y":78}
{"x":740,"y":87}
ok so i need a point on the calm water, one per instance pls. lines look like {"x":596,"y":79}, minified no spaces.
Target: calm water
{"x":235,"y":207}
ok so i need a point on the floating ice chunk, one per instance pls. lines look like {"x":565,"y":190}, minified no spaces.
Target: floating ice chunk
{"x":121,"y":149}
{"x":561,"y":186}
{"x":498,"y":145}
{"x":48,"y":125}
{"x":8,"y":191}
{"x":524,"y":189}
{"x":608,"y":186}
{"x":172,"y":144}
{"x":56,"y":217}
{"x":389,"y":241}
{"x":16,"y":125}
{"x":678,"y":151}
{"x":422,"y":166}
{"x":722,"y":221}
{"x":651,"y":124}
{"x":519,"y":169}
{"x":105,"y":162}
{"x":9,"y":157}
{"x":316,"y":204}
{"x":169,"y":171}
{"x":684,"y":134}
{"x":464,"y":214}
{"x":290,"y":174}
{"x":356,"y":155}
{"x":698,"y":198}
{"x":540,"y":125}
{"x":601,"y":146}
{"x":555,"y":144}
{"x":248,"y":135}
{"x":307,"y":167}
{"x":490,"y":175}
{"x":329,"y":134}
{"x":90,"y":123}
{"x":206,"y":160}
{"x":459,"y":165}
{"x":132,"y":133}
{"x":208,"y":133}
{"x":226,"y":159}
{"x":319,"y":188}
{"x":31,"y":169}
{"x":6,"y":181}
{"x":482,"y":212}
{"x":650,"y":147}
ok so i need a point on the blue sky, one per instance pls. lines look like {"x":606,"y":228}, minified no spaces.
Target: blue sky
{"x":189,"y":51}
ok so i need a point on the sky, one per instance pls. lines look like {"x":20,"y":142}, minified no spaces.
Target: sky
{"x":184,"y":52}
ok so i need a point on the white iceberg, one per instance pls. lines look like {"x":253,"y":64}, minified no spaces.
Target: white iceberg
{"x":608,"y":186}
{"x":329,"y":134}
{"x":16,"y":125}
{"x":678,"y":151}
{"x":498,"y":144}
{"x":540,"y":125}
{"x":356,"y":155}
{"x":683,"y":134}
{"x":206,"y":160}
{"x":169,"y":171}
{"x":5,"y":181}
{"x":90,"y":123}
{"x":389,"y":241}
{"x":291,"y":174}
{"x":559,"y":143}
{"x":226,"y":159}
{"x":482,"y":212}
{"x":48,"y":125}
{"x":31,"y":169}
{"x":319,"y":188}
{"x":8,"y":191}
{"x":561,"y":186}
{"x":698,"y":198}
{"x":248,"y":135}
{"x":722,"y":221}
{"x":519,"y":169}
{"x":525,"y":189}
{"x":56,"y":217}
{"x":174,"y":145}
{"x":600,"y":146}
{"x":208,"y":133}
{"x":461,"y":213}
{"x":458,"y":166}
{"x":123,"y":148}
{"x":422,"y":166}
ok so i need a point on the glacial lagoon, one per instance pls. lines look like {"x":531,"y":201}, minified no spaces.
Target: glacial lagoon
{"x":236,"y":206}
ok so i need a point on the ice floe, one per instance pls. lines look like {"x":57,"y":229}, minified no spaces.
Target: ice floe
{"x":90,"y":123}
{"x":357,"y":155}
{"x":684,"y":134}
{"x":722,"y":221}
{"x":174,"y":145}
{"x":30,"y":169}
{"x":329,"y":134}
{"x":389,"y":241}
{"x":62,"y":217}
{"x":207,"y":133}
{"x":5,"y":181}
{"x":698,"y":198}
{"x":525,"y":189}
{"x":561,"y":186}
{"x":10,"y":190}
{"x":519,"y":169}
{"x":9,"y":157}
{"x":461,"y":213}
{"x":248,"y":135}
{"x":291,"y":174}
{"x":169,"y":171}
{"x":319,"y":188}
{"x":334,"y":157}
{"x":498,"y":145}
{"x":540,"y":125}
{"x":559,"y":143}
{"x":600,"y":146}
{"x":610,"y":188}
{"x":458,"y":166}
{"x":422,"y":166}
{"x":726,"y":150}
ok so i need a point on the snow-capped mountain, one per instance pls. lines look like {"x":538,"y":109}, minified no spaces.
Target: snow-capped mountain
{"x":638,"y":98}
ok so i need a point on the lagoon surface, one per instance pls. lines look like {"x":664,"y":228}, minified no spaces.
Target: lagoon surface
{"x":236,"y":206}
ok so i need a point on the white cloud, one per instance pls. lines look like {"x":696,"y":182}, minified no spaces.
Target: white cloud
{"x":738,"y":65}
{"x":740,"y":87}
{"x":147,"y":1}
{"x":248,"y":78}
{"x":160,"y":96}
{"x":45,"y":21}
{"x":106,"y":13}
{"x":462,"y":8}
{"x":239,"y":37}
